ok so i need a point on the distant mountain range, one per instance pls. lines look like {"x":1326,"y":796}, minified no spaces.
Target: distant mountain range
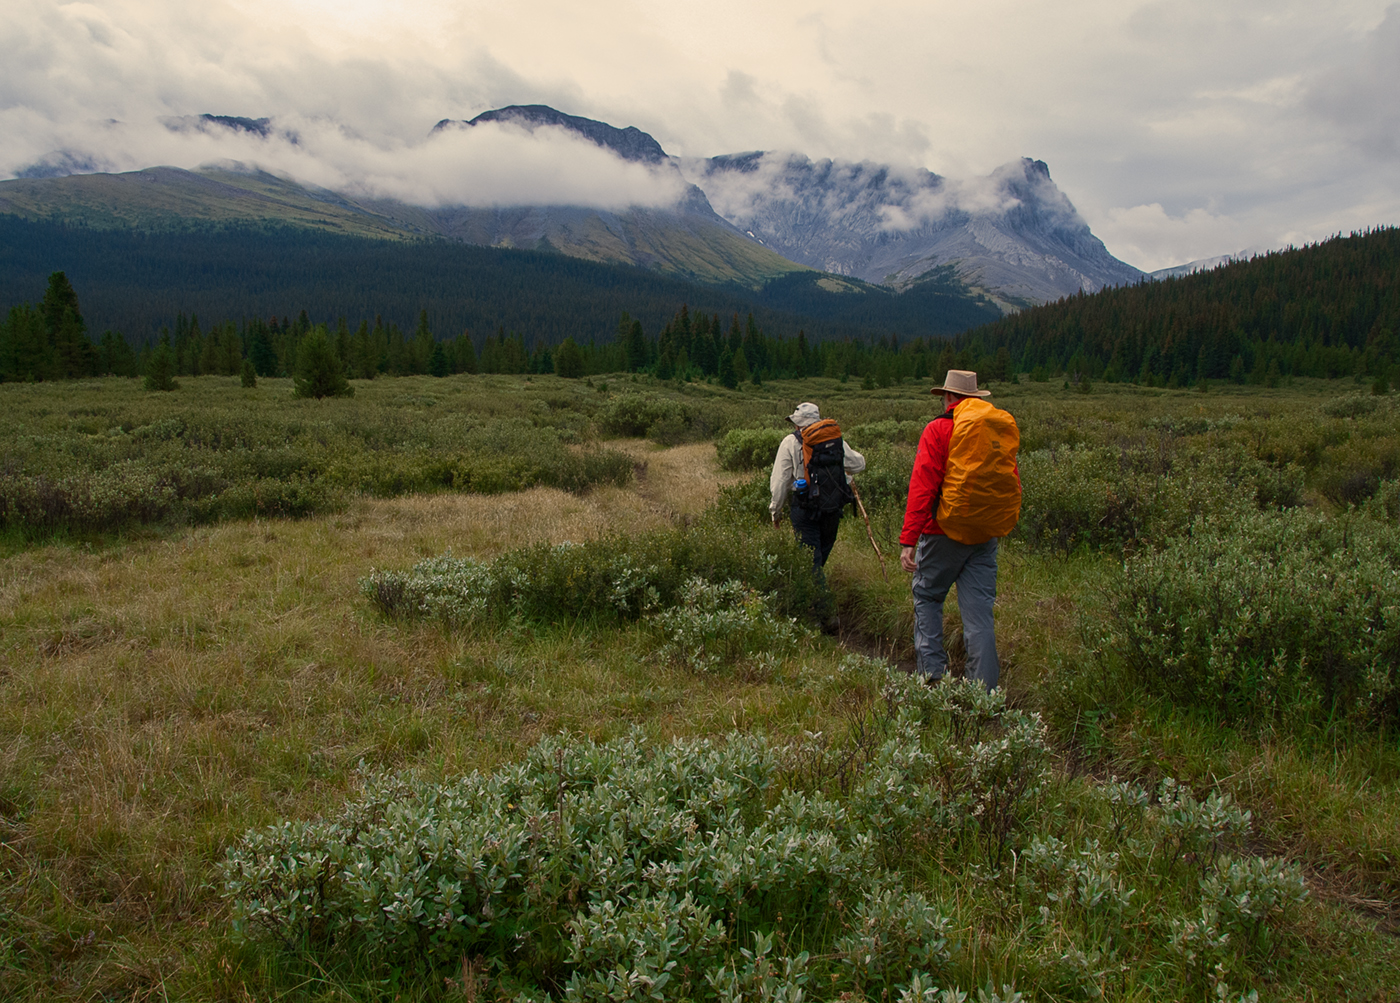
{"x":1200,"y":265}
{"x":742,"y":220}
{"x":1013,"y":236}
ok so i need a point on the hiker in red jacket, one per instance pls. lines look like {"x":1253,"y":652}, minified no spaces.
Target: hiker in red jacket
{"x":936,"y":560}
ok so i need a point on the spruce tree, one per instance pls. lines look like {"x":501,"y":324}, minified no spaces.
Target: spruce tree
{"x":465,"y":354}
{"x":568,"y":360}
{"x":420,"y":351}
{"x":160,"y":370}
{"x":342,"y":342}
{"x":741,"y":364}
{"x":438,"y":364}
{"x":727,"y":376}
{"x":250,"y":374}
{"x":636,"y":343}
{"x":74,"y":352}
{"x":260,"y":350}
{"x":319,"y":373}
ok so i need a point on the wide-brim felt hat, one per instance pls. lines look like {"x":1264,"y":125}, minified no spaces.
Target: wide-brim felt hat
{"x":960,"y":381}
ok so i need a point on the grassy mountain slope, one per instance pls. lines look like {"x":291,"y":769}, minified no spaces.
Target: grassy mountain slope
{"x":687,"y":245}
{"x":166,"y":198}
{"x":690,"y":244}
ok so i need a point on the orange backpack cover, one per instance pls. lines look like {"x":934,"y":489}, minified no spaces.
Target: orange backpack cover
{"x":814,"y":435}
{"x":981,"y":495}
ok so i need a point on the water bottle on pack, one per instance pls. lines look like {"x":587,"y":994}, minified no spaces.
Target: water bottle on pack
{"x":799,"y":488}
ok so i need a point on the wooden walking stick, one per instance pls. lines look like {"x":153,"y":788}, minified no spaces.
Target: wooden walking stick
{"x":868,"y":532}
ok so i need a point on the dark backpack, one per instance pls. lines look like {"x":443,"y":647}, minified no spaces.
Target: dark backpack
{"x":824,"y":457}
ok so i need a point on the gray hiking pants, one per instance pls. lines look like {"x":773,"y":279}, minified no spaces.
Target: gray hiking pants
{"x":941,"y":562}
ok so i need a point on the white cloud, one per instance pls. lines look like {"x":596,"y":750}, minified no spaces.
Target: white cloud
{"x":101,"y":86}
{"x":1242,"y":121}
{"x":1151,"y":238}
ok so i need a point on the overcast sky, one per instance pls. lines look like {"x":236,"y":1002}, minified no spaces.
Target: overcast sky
{"x":1180,"y":129}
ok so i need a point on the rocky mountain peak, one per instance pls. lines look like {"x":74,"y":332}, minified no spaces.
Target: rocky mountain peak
{"x":630,"y":143}
{"x":1013,"y":235}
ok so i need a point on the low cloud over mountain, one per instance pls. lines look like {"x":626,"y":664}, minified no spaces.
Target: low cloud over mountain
{"x":1012,"y":235}
{"x":495,"y":163}
{"x":1180,"y":130}
{"x":532,"y":176}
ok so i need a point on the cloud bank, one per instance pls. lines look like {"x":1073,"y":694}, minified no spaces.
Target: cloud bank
{"x":1173,"y":125}
{"x":492,"y":164}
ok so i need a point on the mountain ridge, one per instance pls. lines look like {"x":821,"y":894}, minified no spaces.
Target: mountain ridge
{"x":630,"y":143}
{"x":1013,"y":236}
{"x":745,"y":218}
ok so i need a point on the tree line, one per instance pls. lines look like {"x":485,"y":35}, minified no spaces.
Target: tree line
{"x":50,"y":340}
{"x":1326,"y":310}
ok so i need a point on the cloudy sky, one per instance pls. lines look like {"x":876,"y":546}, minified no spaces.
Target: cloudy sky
{"x":1180,"y":129}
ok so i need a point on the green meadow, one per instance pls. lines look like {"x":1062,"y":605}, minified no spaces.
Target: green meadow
{"x":502,"y":687}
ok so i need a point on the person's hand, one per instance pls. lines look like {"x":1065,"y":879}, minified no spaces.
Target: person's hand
{"x":777,"y":519}
{"x":906,"y":559}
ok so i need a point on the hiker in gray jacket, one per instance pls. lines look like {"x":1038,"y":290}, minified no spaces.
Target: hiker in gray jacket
{"x":816,"y":508}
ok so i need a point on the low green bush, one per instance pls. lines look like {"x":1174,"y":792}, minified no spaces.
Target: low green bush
{"x":749,"y":448}
{"x":220,"y":462}
{"x":1384,"y":505}
{"x":722,"y":624}
{"x":739,"y":869}
{"x":1270,"y":614}
{"x":1355,"y":470}
{"x":1350,"y":407}
{"x":890,"y":431}
{"x":617,"y":578}
{"x":633,"y":414}
{"x":884,"y":484}
{"x":1115,"y":498}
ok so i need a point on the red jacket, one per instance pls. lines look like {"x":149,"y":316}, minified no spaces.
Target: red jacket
{"x":930,"y":463}
{"x":926,"y":481}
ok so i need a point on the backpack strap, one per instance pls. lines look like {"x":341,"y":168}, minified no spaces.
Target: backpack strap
{"x":803,"y":450}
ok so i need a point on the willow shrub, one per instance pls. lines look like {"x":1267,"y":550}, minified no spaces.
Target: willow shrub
{"x":1142,"y":496}
{"x":1264,"y":614}
{"x":749,"y":448}
{"x":616,"y":578}
{"x":634,"y":414}
{"x":205,"y":467}
{"x":724,"y":624}
{"x":737,"y":868}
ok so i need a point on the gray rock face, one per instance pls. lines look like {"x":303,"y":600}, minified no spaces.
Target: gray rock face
{"x":1013,"y":235}
{"x":630,"y":143}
